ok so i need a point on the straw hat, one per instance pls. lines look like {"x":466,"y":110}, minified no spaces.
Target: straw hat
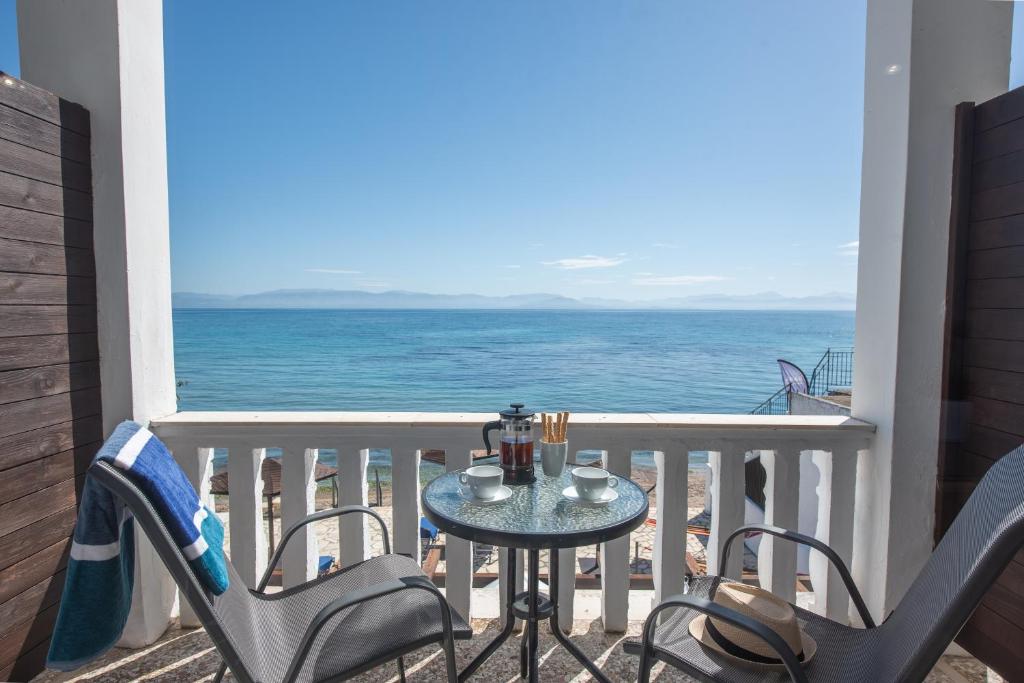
{"x":743,"y":646}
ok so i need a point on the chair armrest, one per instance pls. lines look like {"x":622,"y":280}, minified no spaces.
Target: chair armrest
{"x":356,"y":597}
{"x":316,"y":517}
{"x":729,"y":616}
{"x":823,"y":548}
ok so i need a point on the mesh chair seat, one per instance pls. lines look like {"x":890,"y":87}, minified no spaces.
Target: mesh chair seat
{"x":265,"y":630}
{"x":838,"y":645}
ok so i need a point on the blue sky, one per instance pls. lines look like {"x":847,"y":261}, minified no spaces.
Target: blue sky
{"x":589,"y":148}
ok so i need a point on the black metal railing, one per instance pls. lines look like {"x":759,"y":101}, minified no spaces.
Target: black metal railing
{"x":833,"y":371}
{"x":777,"y":404}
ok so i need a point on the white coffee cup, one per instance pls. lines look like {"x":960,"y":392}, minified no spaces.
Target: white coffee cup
{"x":483,"y":480}
{"x":592,"y":482}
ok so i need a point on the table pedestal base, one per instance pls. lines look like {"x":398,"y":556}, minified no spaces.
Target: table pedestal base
{"x":531,"y":606}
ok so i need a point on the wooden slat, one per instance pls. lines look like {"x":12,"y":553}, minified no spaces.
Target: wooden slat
{"x":996,"y":293}
{"x":18,"y":514}
{"x":996,"y":323}
{"x":1002,"y":385}
{"x":35,"y":537}
{"x":29,"y":352}
{"x":23,"y":321}
{"x":19,"y":288}
{"x":996,"y":263}
{"x":995,"y":641}
{"x":32,"y":601}
{"x":40,"y":443}
{"x":21,"y":385}
{"x":28,"y":665}
{"x":35,"y":568}
{"x":32,"y":226}
{"x":35,"y":413}
{"x":34,"y":630}
{"x":1006,"y":417}
{"x":34,"y":132}
{"x":998,"y":202}
{"x":31,"y":195}
{"x":25,"y":161}
{"x":22,"y":96}
{"x":1005,"y":602}
{"x":996,"y":354}
{"x":990,"y":443}
{"x":999,"y":110}
{"x":32,"y":476}
{"x":1004,"y":170}
{"x":1000,"y":140}
{"x":17,"y":256}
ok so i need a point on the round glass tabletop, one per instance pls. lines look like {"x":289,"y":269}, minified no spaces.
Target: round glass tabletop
{"x":536,"y":515}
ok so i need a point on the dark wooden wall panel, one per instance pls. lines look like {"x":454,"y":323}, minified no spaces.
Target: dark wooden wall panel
{"x":50,"y":418}
{"x":984,"y":381}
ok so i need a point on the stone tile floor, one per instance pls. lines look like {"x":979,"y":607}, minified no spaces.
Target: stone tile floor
{"x":187,"y":655}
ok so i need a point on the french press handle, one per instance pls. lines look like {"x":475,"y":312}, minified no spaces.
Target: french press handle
{"x":489,"y":427}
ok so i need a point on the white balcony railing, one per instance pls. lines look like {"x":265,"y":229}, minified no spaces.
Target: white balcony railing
{"x":834,"y":442}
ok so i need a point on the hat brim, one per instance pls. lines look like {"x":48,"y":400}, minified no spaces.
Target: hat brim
{"x":698,"y":629}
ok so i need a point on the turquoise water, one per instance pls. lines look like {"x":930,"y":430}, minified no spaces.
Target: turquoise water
{"x":464,"y":360}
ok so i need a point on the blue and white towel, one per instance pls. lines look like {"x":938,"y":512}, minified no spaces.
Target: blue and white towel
{"x":98,"y":587}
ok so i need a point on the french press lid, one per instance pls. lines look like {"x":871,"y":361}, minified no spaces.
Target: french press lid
{"x":516,"y":411}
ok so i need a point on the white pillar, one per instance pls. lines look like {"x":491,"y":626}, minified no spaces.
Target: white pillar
{"x":922,"y":58}
{"x":107,"y":55}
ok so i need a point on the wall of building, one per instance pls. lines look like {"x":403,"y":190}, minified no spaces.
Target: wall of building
{"x":50,"y":417}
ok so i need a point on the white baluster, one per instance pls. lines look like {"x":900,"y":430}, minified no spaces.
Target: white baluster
{"x":776,"y":558}
{"x":298,"y":499}
{"x":405,"y":501}
{"x":728,"y":503}
{"x":353,"y":528}
{"x":458,"y":552}
{"x":615,"y":558}
{"x":566,"y":587}
{"x":503,"y":582}
{"x":245,"y":506}
{"x":671,"y":493}
{"x":836,"y":490}
{"x":197,"y":464}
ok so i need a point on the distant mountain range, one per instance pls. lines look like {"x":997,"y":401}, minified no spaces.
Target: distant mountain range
{"x":348,"y":299}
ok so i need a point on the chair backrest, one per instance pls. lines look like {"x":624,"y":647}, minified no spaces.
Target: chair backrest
{"x":978,"y":546}
{"x":193,"y":591}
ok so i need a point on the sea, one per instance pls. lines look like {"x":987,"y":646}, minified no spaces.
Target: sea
{"x":482,"y":360}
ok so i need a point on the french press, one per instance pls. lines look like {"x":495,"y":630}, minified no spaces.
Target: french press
{"x":516,"y":448}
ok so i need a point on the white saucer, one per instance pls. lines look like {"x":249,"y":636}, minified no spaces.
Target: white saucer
{"x":503,"y":494}
{"x":609,"y":495}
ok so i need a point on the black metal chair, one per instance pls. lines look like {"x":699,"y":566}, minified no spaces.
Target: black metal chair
{"x":328,"y":629}
{"x":978,"y":546}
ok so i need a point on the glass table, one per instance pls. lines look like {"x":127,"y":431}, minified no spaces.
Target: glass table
{"x":536,"y":516}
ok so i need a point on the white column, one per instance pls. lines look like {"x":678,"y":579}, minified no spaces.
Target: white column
{"x":245,"y":511}
{"x":520,"y":581}
{"x":405,"y":501}
{"x":458,"y":552}
{"x":108,"y":56}
{"x":776,"y":558}
{"x":298,"y":499}
{"x":922,"y":58}
{"x":615,"y":558}
{"x":566,"y":587}
{"x":728,"y":503}
{"x":353,"y":529}
{"x":672,"y":515}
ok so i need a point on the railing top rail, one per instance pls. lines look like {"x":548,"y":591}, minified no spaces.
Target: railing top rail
{"x":694,"y":421}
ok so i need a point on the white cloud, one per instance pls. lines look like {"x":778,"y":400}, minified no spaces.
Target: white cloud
{"x":513,"y":265}
{"x":676,"y":280}
{"x":334,"y":271}
{"x":850,"y":248}
{"x":665,"y":245}
{"x":374,"y":285}
{"x":589,"y":261}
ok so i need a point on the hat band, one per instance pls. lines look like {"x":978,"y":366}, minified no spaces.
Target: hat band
{"x":742,"y":653}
